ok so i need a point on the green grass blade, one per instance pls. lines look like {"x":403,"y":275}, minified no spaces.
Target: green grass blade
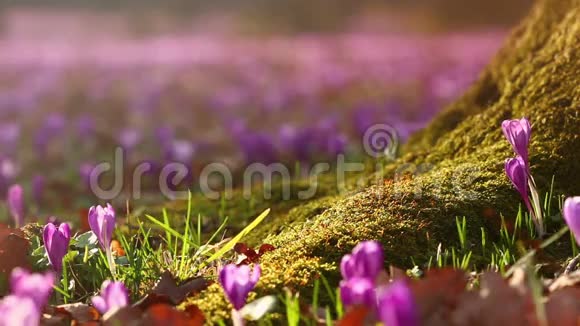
{"x":230,"y":245}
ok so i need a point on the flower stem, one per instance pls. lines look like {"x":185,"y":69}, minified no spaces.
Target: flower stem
{"x":536,"y":208}
{"x":237,"y":318}
{"x":111,"y":261}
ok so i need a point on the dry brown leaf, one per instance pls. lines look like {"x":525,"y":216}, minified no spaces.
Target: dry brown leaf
{"x":563,"y":307}
{"x":438,"y":294}
{"x":356,"y":316}
{"x":13,"y":250}
{"x":167,"y":286}
{"x":161,"y":314}
{"x":496,"y":303}
{"x":70,"y":314}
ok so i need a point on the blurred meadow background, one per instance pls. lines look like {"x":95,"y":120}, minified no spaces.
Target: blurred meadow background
{"x":235,"y":82}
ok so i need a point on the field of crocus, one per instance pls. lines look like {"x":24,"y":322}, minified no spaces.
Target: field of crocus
{"x":213,"y":179}
{"x":207,"y":99}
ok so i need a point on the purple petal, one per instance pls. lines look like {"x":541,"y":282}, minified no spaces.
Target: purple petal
{"x":571,"y":214}
{"x":99,"y":304}
{"x":17,"y":310}
{"x":397,"y":306}
{"x":358,"y":291}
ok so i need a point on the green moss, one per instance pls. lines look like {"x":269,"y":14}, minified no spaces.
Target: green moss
{"x":460,"y":156}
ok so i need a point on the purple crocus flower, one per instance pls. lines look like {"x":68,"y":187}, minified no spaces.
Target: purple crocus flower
{"x":516,"y":171}
{"x":56,"y":241}
{"x":114,"y":295}
{"x":15,"y":201}
{"x":102,"y":223}
{"x":237,"y":283}
{"x":358,"y":291}
{"x":38,"y":287}
{"x":366,"y":261}
{"x":396,"y":306}
{"x":518,"y":133}
{"x":571,"y":214}
{"x":17,"y":310}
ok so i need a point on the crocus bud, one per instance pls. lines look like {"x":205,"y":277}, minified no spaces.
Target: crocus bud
{"x":366,"y":261}
{"x":15,"y":201}
{"x":397,"y":306}
{"x":17,"y":310}
{"x":237,"y":283}
{"x":358,"y":291}
{"x":38,"y":287}
{"x":113,"y":296}
{"x":518,"y":133}
{"x":56,"y":241}
{"x":516,"y":170}
{"x":102,"y":223}
{"x":571,"y":214}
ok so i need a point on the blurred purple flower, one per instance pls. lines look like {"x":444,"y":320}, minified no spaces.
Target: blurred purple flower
{"x":85,"y":126}
{"x":114,"y":295}
{"x":15,"y":201}
{"x":56,"y":241}
{"x":102,"y":223}
{"x":257,"y":147}
{"x":53,"y":219}
{"x":335,"y":145}
{"x":8,"y":171}
{"x":298,"y":142}
{"x":8,"y":168}
{"x":129,"y":138}
{"x":238,"y":281}
{"x":182,"y":151}
{"x":363,"y":118}
{"x":9,"y":136}
{"x":54,"y":123}
{"x":518,"y":133}
{"x":397,"y":307}
{"x":85,"y":170}
{"x":38,"y":183}
{"x":21,"y":311}
{"x":358,"y":291}
{"x":366,"y":261}
{"x":36,"y":286}
{"x":571,"y":214}
{"x":164,"y":135}
{"x":516,"y":171}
